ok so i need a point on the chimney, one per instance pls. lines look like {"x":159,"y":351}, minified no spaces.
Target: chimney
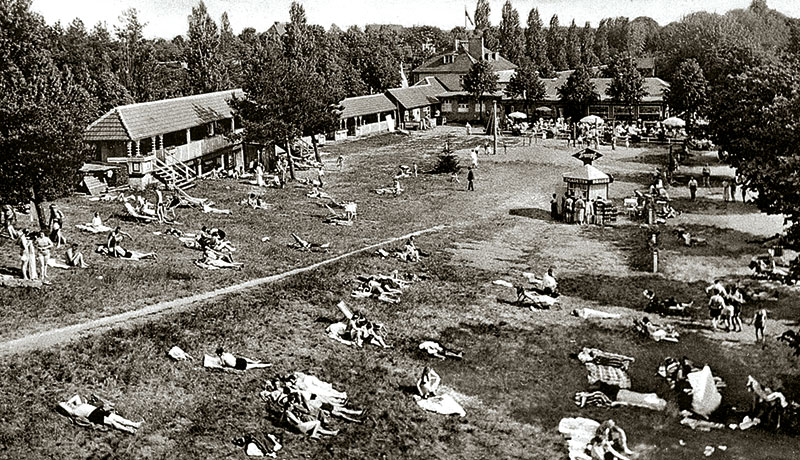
{"x":476,"y":47}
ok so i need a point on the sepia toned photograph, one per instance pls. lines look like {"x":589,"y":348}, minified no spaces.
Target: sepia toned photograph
{"x":400,"y":229}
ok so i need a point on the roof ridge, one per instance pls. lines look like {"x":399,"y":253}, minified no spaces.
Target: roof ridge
{"x":161,"y":101}
{"x":364,"y":96}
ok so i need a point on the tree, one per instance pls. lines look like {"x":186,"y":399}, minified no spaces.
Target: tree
{"x":290,"y":87}
{"x":556,"y":51}
{"x":754,"y":119}
{"x":43,"y":113}
{"x":627,"y":84}
{"x":512,"y":42}
{"x":578,"y":93}
{"x":588,"y":58}
{"x":601,"y":41}
{"x":480,"y":80}
{"x":535,"y":41}
{"x":687,"y":94}
{"x":573,"y":46}
{"x":206,"y":72}
{"x":526,"y":84}
{"x":482,"y":15}
{"x":484,"y":26}
{"x":229,"y":52}
{"x":137,"y":64}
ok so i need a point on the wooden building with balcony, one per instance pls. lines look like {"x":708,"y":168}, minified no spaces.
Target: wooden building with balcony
{"x":173,"y":140}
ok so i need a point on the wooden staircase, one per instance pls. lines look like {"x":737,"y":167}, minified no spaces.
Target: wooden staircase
{"x":177,"y":174}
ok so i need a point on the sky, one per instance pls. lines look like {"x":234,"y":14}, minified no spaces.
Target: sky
{"x":168,"y":18}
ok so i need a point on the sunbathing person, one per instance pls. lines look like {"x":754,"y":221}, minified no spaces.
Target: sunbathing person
{"x":83,"y":413}
{"x":545,"y":286}
{"x":217,"y":259}
{"x":122,"y":253}
{"x":114,"y":242}
{"x":536,"y":300}
{"x":368,"y":331}
{"x":75,"y":257}
{"x":313,"y":404}
{"x":434,"y":349}
{"x":428,"y":383}
{"x":239,"y":363}
{"x":614,"y":437}
{"x":207,"y":209}
{"x":296,"y":416}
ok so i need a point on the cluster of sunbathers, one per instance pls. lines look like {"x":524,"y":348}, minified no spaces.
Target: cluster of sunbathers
{"x":356,"y":329}
{"x":307,"y":404}
{"x":408,"y":253}
{"x":382,"y":287}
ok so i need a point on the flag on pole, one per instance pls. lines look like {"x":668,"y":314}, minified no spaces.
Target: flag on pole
{"x":467,"y":18}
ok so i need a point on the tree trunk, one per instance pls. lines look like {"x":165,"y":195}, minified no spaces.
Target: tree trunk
{"x":289,"y":158}
{"x":316,"y":149}
{"x":37,"y":204}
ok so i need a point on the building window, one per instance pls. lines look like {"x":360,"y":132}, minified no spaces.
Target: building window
{"x":477,"y":107}
{"x":463,"y":108}
{"x":447,"y":106}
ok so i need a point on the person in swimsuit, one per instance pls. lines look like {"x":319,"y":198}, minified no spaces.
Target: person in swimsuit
{"x":80,"y":411}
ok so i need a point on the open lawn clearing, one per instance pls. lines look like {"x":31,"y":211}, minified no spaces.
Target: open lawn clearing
{"x":517,"y":379}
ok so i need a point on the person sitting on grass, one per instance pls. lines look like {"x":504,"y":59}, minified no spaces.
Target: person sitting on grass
{"x":428,"y":383}
{"x":362,"y":329}
{"x":607,"y":442}
{"x":218,"y":259}
{"x":75,"y":257}
{"x":85,"y":414}
{"x":239,"y":363}
{"x":114,"y":242}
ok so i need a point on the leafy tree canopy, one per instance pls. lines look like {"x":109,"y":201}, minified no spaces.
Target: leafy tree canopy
{"x":578,"y":92}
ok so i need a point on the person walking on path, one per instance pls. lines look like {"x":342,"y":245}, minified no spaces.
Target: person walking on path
{"x":693,"y":188}
{"x":469,"y":128}
{"x":471,"y":179}
{"x":474,"y":157}
{"x":706,"y":176}
{"x":726,"y":191}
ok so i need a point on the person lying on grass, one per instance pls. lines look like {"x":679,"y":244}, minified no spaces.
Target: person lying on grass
{"x":84,"y":414}
{"x":671,"y":306}
{"x":305,"y":422}
{"x":428,"y":383}
{"x":239,"y":363}
{"x":304,"y":245}
{"x":438,"y":351}
{"x":539,"y":301}
{"x":125,"y":254}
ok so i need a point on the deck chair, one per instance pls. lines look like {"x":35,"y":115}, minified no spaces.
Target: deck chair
{"x":140,"y":217}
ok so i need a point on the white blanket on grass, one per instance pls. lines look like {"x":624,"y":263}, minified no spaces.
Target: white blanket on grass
{"x":587,"y":313}
{"x":579,"y":432}
{"x":55,"y":263}
{"x":442,"y":404}
{"x":94,"y":229}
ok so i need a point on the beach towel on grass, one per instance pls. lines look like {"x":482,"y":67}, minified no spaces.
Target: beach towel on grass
{"x":611,"y":375}
{"x":443,"y":404}
{"x":93,"y":229}
{"x":597,"y":356}
{"x":646,"y":400}
{"x":588,"y":313}
{"x":579,"y":432}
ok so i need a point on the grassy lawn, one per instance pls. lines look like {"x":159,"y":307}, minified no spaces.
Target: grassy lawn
{"x":516,"y":381}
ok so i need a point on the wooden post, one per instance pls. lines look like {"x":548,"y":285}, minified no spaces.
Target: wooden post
{"x":188,"y":136}
{"x":130,"y":148}
{"x":494,"y":126}
{"x":153,"y":144}
{"x":289,"y":158}
{"x":138,"y":148}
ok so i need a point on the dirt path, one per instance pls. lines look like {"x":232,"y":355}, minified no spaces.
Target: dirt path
{"x":59,"y":336}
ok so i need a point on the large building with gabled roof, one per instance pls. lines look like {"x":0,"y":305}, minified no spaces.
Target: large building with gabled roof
{"x":450,"y":69}
{"x":172,"y":139}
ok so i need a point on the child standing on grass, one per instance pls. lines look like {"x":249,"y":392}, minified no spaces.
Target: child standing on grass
{"x":471,"y":179}
{"x":759,"y":323}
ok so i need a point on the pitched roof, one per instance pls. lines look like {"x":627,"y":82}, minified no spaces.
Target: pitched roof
{"x":460,"y":61}
{"x":420,"y":95}
{"x":366,"y":105}
{"x":587,"y":174}
{"x":139,"y":121}
{"x":653,"y":87}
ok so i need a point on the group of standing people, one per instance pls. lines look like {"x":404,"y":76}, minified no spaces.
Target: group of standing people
{"x":574,"y":208}
{"x":37,"y":246}
{"x":725,"y":306}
